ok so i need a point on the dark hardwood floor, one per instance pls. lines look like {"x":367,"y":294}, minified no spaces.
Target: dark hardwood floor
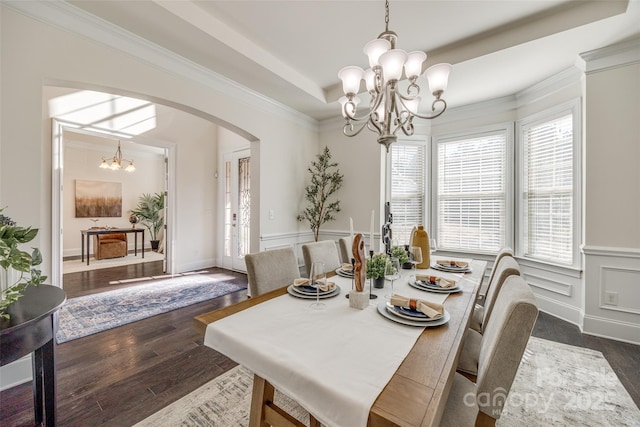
{"x":121,"y":376}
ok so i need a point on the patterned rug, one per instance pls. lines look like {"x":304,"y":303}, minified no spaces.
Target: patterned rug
{"x":91,"y":314}
{"x":556,"y":385}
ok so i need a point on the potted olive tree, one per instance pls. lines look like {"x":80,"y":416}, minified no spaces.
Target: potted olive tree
{"x":17,"y":267}
{"x":150,"y":213}
{"x":325,"y":181}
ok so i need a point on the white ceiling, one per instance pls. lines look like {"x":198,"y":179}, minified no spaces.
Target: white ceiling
{"x":291,"y":51}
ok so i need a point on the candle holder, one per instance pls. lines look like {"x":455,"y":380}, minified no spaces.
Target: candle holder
{"x":371,"y":295}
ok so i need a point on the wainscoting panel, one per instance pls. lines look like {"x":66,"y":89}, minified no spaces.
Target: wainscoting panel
{"x":612,"y":293}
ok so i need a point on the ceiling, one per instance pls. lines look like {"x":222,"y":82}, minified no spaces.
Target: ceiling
{"x":291,"y":51}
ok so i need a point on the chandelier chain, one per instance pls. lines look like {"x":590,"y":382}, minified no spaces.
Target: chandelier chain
{"x":386,"y":15}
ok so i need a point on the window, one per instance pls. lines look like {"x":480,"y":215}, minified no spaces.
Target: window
{"x":548,"y":189}
{"x":407,"y":193}
{"x":472,"y":191}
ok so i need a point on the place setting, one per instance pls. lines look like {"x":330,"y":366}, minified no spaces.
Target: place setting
{"x":316,"y":287}
{"x":434,"y":284}
{"x":451,"y":266}
{"x":413,"y":312}
{"x":345,"y":270}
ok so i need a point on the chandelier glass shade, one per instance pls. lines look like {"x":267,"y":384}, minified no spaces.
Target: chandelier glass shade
{"x":390,"y":110}
{"x":115,"y":163}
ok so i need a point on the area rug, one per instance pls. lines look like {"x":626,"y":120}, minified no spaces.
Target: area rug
{"x":556,"y":385}
{"x":90,"y":314}
{"x":76,"y":265}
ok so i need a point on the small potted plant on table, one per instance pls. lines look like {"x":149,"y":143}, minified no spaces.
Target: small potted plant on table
{"x":375,"y":269}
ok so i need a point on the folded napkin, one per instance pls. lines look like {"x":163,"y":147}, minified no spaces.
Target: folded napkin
{"x":430,"y":309}
{"x":326,"y":286}
{"x":347,"y":267}
{"x":452,"y":263}
{"x":440,"y":281}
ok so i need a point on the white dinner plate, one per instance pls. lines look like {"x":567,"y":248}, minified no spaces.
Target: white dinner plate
{"x":451,"y":269}
{"x":293,"y":292}
{"x":410,"y":314}
{"x":434,"y":289}
{"x":382,"y":309}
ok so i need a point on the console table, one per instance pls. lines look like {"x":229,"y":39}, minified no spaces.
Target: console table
{"x":32,"y":328}
{"x":86,"y":234}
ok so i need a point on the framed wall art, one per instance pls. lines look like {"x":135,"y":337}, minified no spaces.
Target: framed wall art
{"x":98,"y":199}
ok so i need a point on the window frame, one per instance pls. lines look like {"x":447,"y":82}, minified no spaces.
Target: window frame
{"x":505,"y":128}
{"x":423,"y":141}
{"x":572,"y":107}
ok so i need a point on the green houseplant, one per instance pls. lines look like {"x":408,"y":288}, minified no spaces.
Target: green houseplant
{"x":400,"y":253}
{"x":325,"y":181}
{"x":17,"y":266}
{"x":150,"y":213}
{"x":375,"y":269}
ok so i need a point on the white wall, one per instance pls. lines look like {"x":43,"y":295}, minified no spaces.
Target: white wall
{"x":612,"y":193}
{"x":81,"y":160}
{"x":287,"y":139}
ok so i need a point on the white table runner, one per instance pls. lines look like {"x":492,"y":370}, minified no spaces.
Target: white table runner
{"x":334,"y":362}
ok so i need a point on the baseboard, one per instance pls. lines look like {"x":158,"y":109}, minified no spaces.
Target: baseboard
{"x":15,"y":373}
{"x":195,"y":265}
{"x":563,"y":311}
{"x":612,"y":329}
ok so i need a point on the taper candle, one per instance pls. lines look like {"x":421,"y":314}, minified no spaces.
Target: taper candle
{"x":371,"y":232}
{"x":351,"y":229}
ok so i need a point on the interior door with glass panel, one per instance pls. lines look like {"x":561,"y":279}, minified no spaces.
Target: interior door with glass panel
{"x":237,"y":209}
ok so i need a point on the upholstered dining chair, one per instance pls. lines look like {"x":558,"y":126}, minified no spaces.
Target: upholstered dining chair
{"x":483,"y":289}
{"x":482,"y":316}
{"x":346,"y":253}
{"x":503,"y":345}
{"x":271,"y":269}
{"x":507,"y":266}
{"x":324,"y":251}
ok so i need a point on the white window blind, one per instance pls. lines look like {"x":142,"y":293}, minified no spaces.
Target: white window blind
{"x":407,"y":198}
{"x":547,"y":188}
{"x":471,"y":193}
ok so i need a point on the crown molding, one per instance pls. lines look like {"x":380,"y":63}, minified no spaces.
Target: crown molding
{"x":551,"y":85}
{"x":70,"y":18}
{"x":613,"y":56}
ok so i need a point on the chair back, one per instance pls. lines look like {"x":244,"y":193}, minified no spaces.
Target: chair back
{"x":504,"y":343}
{"x":507,"y":266}
{"x":346,"y":253}
{"x":271,"y":270}
{"x":324,"y":251}
{"x":502,"y":253}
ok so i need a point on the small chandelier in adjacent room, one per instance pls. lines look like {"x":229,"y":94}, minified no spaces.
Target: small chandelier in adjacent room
{"x":115,"y":162}
{"x":390,"y":110}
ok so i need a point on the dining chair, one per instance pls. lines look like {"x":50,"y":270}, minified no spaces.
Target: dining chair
{"x":504,"y":268}
{"x":481,"y":318}
{"x":482,"y":293}
{"x":503,"y":344}
{"x":324,"y":251}
{"x":270,"y":270}
{"x":346,"y":253}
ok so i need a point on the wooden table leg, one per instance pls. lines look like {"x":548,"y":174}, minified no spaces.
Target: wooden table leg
{"x":49,"y":382}
{"x":262,"y":393}
{"x":38,"y":409}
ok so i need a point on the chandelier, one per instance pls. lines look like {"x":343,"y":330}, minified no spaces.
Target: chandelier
{"x":389,"y":109}
{"x":115,"y":163}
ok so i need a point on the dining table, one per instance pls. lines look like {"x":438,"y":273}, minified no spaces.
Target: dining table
{"x":347,"y":366}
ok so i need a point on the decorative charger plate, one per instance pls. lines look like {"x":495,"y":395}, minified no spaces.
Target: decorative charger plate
{"x":407,"y":313}
{"x":382,"y":309}
{"x":326,"y":294}
{"x":451,"y":269}
{"x":343,"y":273}
{"x":437,"y":290}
